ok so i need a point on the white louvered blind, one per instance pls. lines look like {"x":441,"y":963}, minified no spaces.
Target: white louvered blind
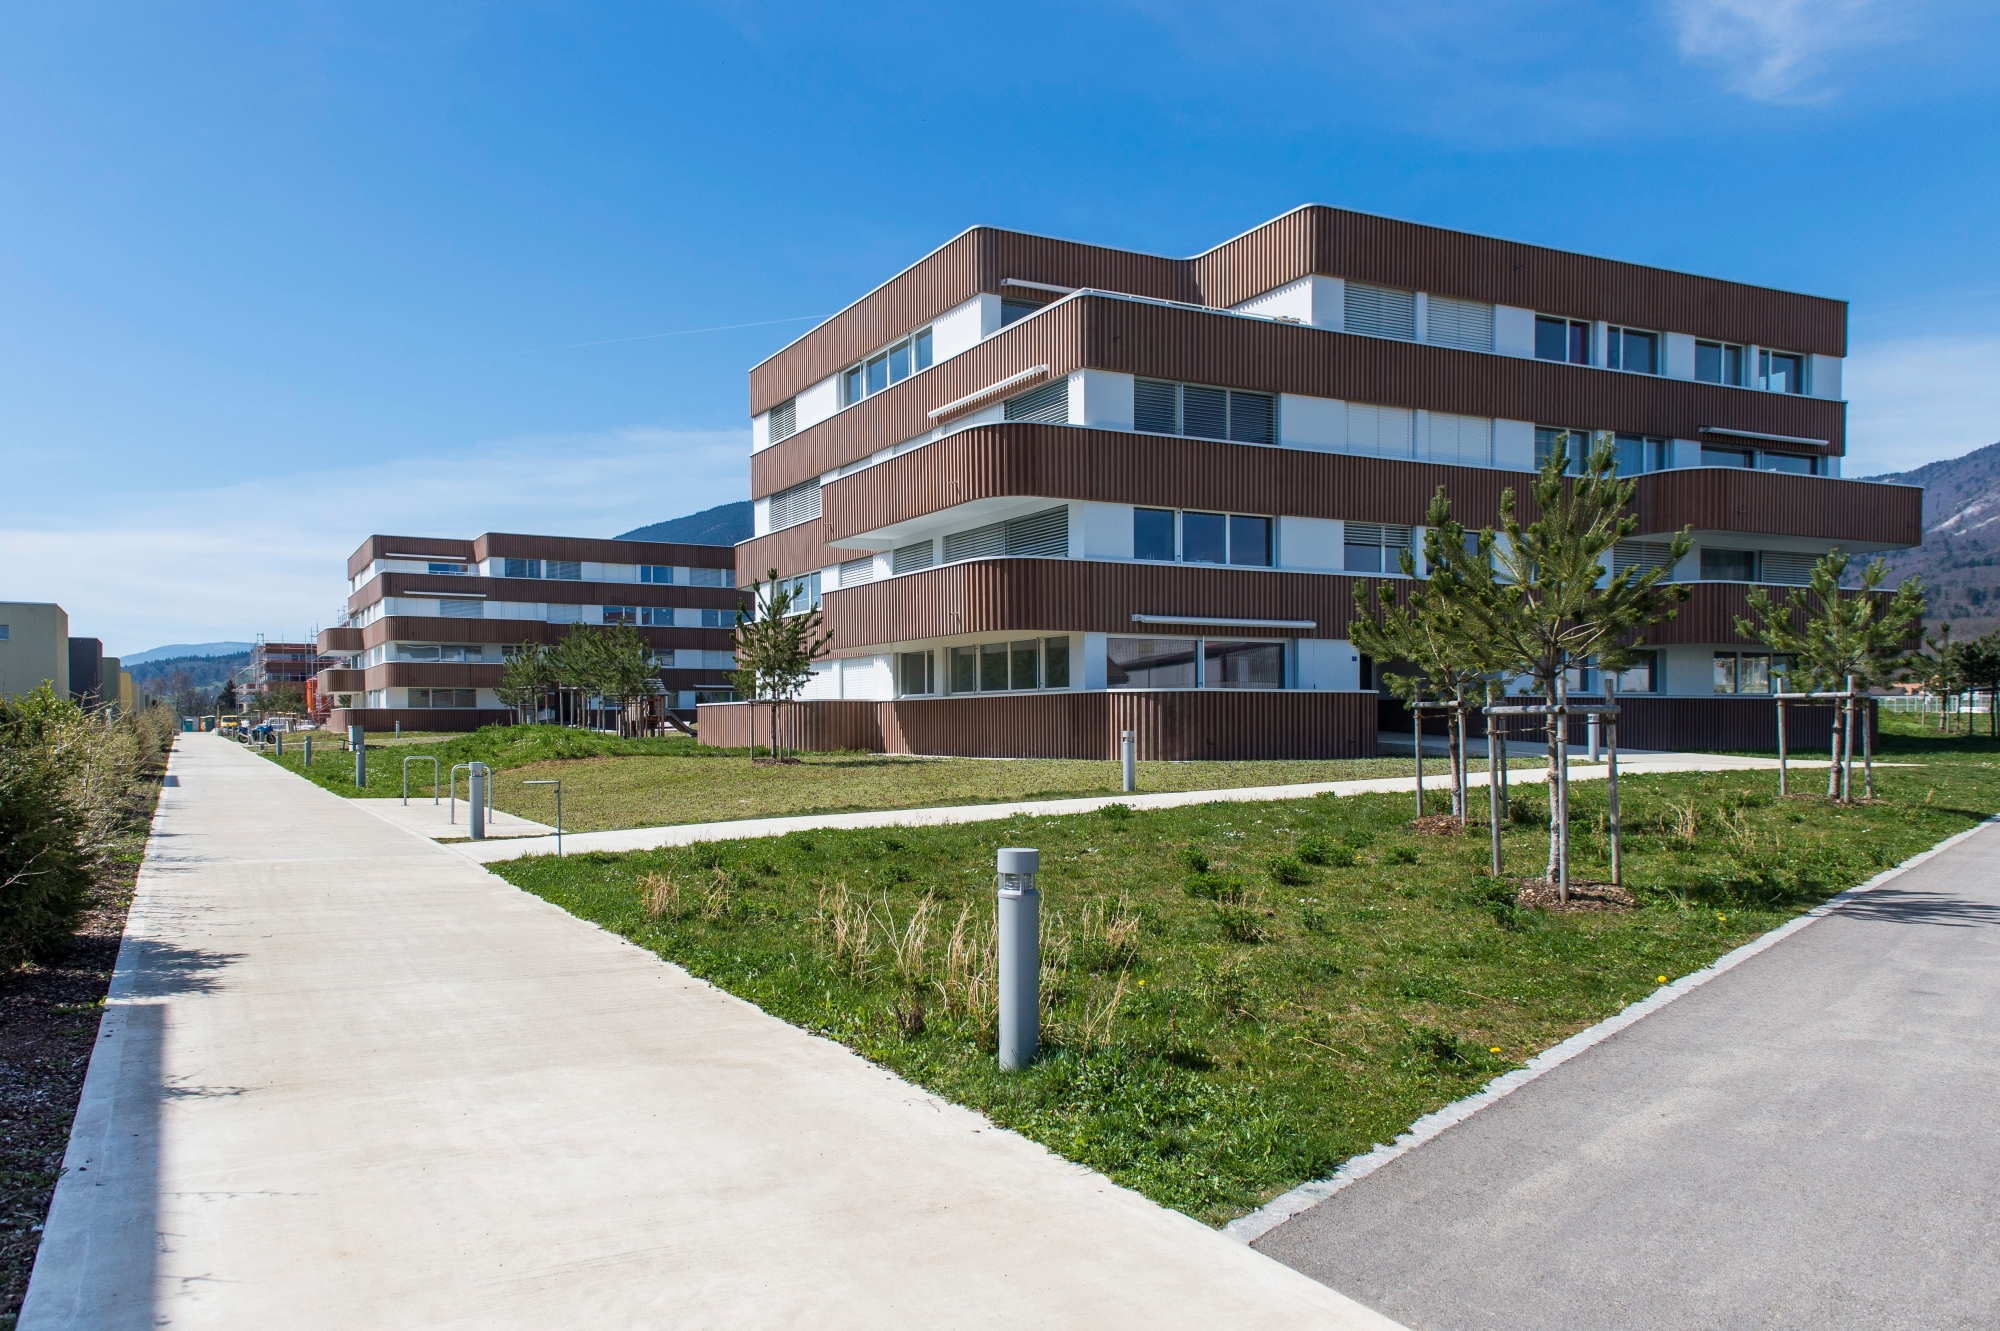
{"x":1387,"y":535}
{"x":910,"y":558}
{"x":1641,"y":555}
{"x":988,"y":542}
{"x":462,"y":609}
{"x":563,"y":570}
{"x":1788,"y":568}
{"x":1465,"y":324}
{"x":1045,"y":534}
{"x":1048,"y":404}
{"x":1381,"y":311}
{"x":1388,"y":432}
{"x":799,"y":503}
{"x":857,"y":571}
{"x":784,"y":419}
{"x":1463,"y":441}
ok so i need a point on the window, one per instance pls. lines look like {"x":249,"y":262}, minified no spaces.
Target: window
{"x":1718,"y":363}
{"x":1781,"y":372}
{"x":656,"y":573}
{"x":1055,"y":663}
{"x":805,"y":591}
{"x":1249,"y":541}
{"x":447,"y":569}
{"x":718,"y":619}
{"x":784,"y":420}
{"x":965,"y":670}
{"x":1205,"y":538}
{"x":795,"y":504}
{"x":565,"y":614}
{"x":916,"y":672}
{"x":1742,"y":672}
{"x":1464,"y":441}
{"x":1044,"y":534}
{"x":1048,"y":404}
{"x":1549,"y":441}
{"x":1565,"y":340}
{"x":3,"y":632}
{"x":910,"y":558}
{"x":710,"y":577}
{"x":854,"y":572}
{"x":1388,"y":432}
{"x":1642,"y":676}
{"x":1373,"y":547}
{"x":621,"y":614}
{"x":1011,"y":310}
{"x":563,"y":570}
{"x":1640,"y":453}
{"x":1381,"y":312}
{"x":522,"y":568}
{"x":1728,"y":565}
{"x":1153,"y":534}
{"x":1787,"y":462}
{"x":1724,"y":457}
{"x":993,"y":667}
{"x":654,"y":616}
{"x":1159,"y":407}
{"x":1465,"y":324}
{"x":452,"y":609}
{"x":444,"y":697}
{"x":1150,"y":663}
{"x":1242,"y":665}
{"x":879,"y":371}
{"x":1641,"y":555}
{"x":1630,"y":349}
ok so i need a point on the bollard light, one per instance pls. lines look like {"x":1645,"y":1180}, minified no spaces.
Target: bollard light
{"x":476,"y":796}
{"x":1128,"y":750}
{"x":357,"y":740}
{"x":305,"y":763}
{"x":1020,"y":925}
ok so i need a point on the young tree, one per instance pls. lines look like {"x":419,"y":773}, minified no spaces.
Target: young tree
{"x":626,"y":667}
{"x":525,"y":679}
{"x":1540,"y":597}
{"x":1833,"y":637}
{"x":778,"y":637}
{"x":1939,"y":669}
{"x":1981,"y":664}
{"x":225,"y":701}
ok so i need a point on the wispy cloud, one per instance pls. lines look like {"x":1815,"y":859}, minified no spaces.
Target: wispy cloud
{"x":1783,"y":50}
{"x":269,"y":555}
{"x":1920,"y":399}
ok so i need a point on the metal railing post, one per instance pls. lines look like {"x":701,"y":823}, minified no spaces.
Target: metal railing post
{"x":1020,"y":916}
{"x":1561,"y":777}
{"x":1781,"y":741}
{"x":1417,"y":748}
{"x":558,"y":786}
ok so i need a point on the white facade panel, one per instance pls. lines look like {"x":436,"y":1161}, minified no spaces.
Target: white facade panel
{"x":1679,"y":356}
{"x":1823,"y":376}
{"x":1101,"y":531}
{"x":1090,"y":667}
{"x":1388,"y":432}
{"x":817,"y":403}
{"x":867,"y":678}
{"x":1313,"y":300}
{"x":961,"y":327}
{"x":824,"y":684}
{"x":1514,"y":445}
{"x":760,"y":517}
{"x":1328,"y":663}
{"x":760,"y":432}
{"x":1311,"y":544}
{"x":1101,"y":399}
{"x":1513,"y":331}
{"x":1312,"y":422}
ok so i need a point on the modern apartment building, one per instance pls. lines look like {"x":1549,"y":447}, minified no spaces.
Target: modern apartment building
{"x":86,"y":671}
{"x":283,"y":665}
{"x":34,"y":647}
{"x":1045,"y":491}
{"x":432,"y":620}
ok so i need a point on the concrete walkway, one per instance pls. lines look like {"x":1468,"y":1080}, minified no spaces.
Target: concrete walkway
{"x":348,"y":1079}
{"x":1811,"y":1140}
{"x":688,"y":834}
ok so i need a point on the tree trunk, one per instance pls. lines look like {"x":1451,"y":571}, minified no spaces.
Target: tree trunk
{"x":1555,"y":814}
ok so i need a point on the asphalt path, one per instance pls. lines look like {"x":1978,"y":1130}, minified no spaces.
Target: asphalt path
{"x":1810,"y":1140}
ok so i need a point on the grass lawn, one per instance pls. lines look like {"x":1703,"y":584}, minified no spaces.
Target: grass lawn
{"x":612,"y":783}
{"x":1242,"y":996}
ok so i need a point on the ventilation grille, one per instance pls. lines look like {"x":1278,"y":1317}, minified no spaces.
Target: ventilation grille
{"x":1048,"y":404}
{"x":799,"y":503}
{"x":1039,"y":535}
{"x":1787,"y":568}
{"x":1640,"y":555}
{"x":910,"y":558}
{"x":1465,"y":324}
{"x":857,"y":571}
{"x":784,"y":419}
{"x":1381,"y":312}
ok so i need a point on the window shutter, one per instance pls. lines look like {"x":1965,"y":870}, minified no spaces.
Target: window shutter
{"x":799,"y":503}
{"x":708,"y":577}
{"x":1787,"y":568}
{"x":1204,"y":412}
{"x":1464,"y":441}
{"x":857,"y":571}
{"x":1361,"y":533}
{"x":462,"y":609}
{"x":910,"y":558}
{"x":1388,"y":432}
{"x":988,"y":542}
{"x":1048,"y":404}
{"x":784,"y":419}
{"x":1641,"y":555}
{"x":1381,"y":312}
{"x":565,"y":570}
{"x":1252,"y":417}
{"x":1044,"y":534}
{"x":1154,"y":406}
{"x":1465,"y":324}
{"x":1396,"y":538}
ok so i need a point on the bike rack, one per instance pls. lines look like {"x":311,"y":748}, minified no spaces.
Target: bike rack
{"x":420,"y":758}
{"x":558,"y":786}
{"x":467,"y":769}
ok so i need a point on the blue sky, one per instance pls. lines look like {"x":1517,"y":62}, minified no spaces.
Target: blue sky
{"x":279,"y":276}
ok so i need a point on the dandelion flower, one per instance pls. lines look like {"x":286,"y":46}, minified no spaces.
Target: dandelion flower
{"x":1663,"y":979}
{"x":1494,"y":1050}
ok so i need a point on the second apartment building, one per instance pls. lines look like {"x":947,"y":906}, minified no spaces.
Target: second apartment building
{"x":1046,"y":490}
{"x":432,"y":621}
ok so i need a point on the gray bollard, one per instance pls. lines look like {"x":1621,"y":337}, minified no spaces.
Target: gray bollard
{"x":278,"y":738}
{"x":1594,"y":730}
{"x":399,"y":730}
{"x":1128,"y":750}
{"x":476,"y":796}
{"x":357,"y":740}
{"x":1020,"y":957}
{"x":305,"y":764}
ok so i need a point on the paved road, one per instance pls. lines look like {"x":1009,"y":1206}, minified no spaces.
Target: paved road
{"x":1811,"y":1140}
{"x":348,"y":1079}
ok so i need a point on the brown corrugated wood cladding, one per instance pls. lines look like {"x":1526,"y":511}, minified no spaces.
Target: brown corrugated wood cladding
{"x":1157,"y":341}
{"x":1861,"y":513}
{"x":509,"y":544}
{"x":560,"y":591}
{"x":1331,"y":242}
{"x":425,"y":628}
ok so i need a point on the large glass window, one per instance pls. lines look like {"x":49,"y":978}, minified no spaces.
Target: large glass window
{"x":891,"y":366}
{"x":1373,"y":547}
{"x":1640,"y":453}
{"x":993,"y":667}
{"x":1724,"y":457}
{"x":521,"y":568}
{"x":1788,"y":462}
{"x":444,"y":697}
{"x":1728,"y":565}
{"x":1549,"y":441}
{"x":1630,"y":349}
{"x":1205,"y":538}
{"x":1024,"y":665}
{"x":1242,"y":665}
{"x":915,"y":673}
{"x":1781,"y":372}
{"x":1150,"y":663}
{"x":1055,"y":663}
{"x":1249,"y":541}
{"x":1153,"y":533}
{"x":621,"y":614}
{"x":965,"y":670}
{"x":1642,"y":676}
{"x":657,"y":573}
{"x":1718,"y":363}
{"x":1562,"y":340}
{"x":1742,"y":672}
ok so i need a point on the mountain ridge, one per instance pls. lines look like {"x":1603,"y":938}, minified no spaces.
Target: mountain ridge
{"x":1959,"y":561}
{"x":725,"y":524}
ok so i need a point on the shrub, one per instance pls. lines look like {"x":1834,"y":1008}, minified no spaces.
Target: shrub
{"x":1193,"y":860}
{"x":1318,"y":850}
{"x":1399,"y":855}
{"x":1214,"y":887}
{"x":1287,"y":872}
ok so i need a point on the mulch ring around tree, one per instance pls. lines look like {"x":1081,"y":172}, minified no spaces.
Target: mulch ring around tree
{"x":1539,"y":894}
{"x":1438,"y":824}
